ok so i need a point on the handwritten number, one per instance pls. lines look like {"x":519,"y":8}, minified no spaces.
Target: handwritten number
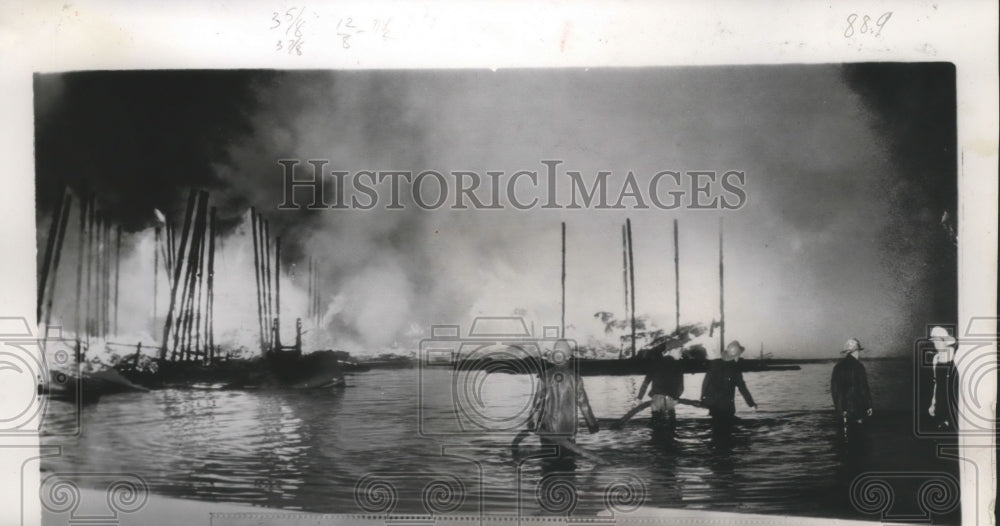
{"x":277,"y":23}
{"x":867,"y":27}
{"x":882,"y":20}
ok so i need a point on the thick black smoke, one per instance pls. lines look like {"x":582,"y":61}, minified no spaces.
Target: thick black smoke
{"x":138,"y":140}
{"x":915,"y":108}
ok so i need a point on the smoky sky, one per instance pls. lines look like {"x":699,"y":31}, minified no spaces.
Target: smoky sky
{"x":849,"y":171}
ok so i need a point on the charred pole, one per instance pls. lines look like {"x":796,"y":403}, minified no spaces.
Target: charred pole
{"x":277,"y":292}
{"x":100,"y":273}
{"x":90,"y":268}
{"x":269,"y":304}
{"x":631,"y":280}
{"x":106,"y":326}
{"x":50,"y":247}
{"x":176,"y":277}
{"x":118,"y":263}
{"x":624,"y":276}
{"x":677,"y":280}
{"x":199,"y":295}
{"x":317,"y":310}
{"x":194,"y":266}
{"x":61,"y":237}
{"x":80,"y":255}
{"x":210,"y":311}
{"x":184,"y":260}
{"x":562,"y":327}
{"x":257,"y":276}
{"x":156,"y":268}
{"x":722,"y":296}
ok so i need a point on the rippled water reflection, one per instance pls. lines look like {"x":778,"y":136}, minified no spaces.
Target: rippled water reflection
{"x":392,"y":441}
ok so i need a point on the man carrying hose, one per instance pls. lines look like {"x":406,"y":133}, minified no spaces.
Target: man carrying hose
{"x":554,"y":411}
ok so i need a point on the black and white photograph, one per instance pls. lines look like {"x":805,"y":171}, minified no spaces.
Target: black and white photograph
{"x":680,"y":293}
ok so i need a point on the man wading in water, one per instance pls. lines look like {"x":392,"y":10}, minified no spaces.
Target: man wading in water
{"x":667,"y":385}
{"x":718,"y":390}
{"x":849,"y":387}
{"x":553,"y":413}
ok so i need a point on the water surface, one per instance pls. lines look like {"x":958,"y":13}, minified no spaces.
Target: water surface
{"x":393,"y":441}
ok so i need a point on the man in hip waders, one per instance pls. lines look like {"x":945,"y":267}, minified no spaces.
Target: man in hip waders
{"x":849,"y":387}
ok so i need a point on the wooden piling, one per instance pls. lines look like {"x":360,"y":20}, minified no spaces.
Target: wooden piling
{"x":677,"y":280}
{"x":210,"y":311}
{"x":100,"y":261}
{"x":187,"y":261}
{"x":631,"y":273}
{"x":257,"y":276}
{"x":317,"y":304}
{"x":277,"y":289}
{"x":194,"y":264}
{"x":96,"y":275}
{"x":268,"y":304}
{"x":118,"y":262}
{"x":90,"y":269}
{"x":199,"y":295}
{"x":61,"y":238}
{"x":176,"y":277}
{"x":624,"y":277}
{"x":80,"y":256}
{"x":106,"y":311}
{"x":50,"y":247}
{"x":722,"y":296}
{"x":156,"y":269}
{"x":562,"y":326}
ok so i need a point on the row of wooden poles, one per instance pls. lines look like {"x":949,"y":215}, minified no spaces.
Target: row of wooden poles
{"x":628,"y":279}
{"x":189,"y":328}
{"x":97,"y":269}
{"x":268,"y":304}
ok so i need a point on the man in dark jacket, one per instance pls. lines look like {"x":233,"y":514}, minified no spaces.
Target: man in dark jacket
{"x":718,"y":390}
{"x":667,"y":382}
{"x":852,"y":398}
